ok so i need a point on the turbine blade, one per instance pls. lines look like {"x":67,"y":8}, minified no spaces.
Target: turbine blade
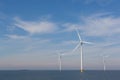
{"x":78,"y":35}
{"x":106,"y":56}
{"x":65,"y":53}
{"x":76,"y":47}
{"x":87,"y":42}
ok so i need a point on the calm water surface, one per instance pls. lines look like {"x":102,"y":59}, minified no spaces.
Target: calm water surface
{"x":57,"y":75}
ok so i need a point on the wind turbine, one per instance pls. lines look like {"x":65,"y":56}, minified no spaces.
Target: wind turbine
{"x":60,"y":54}
{"x":60,"y":59}
{"x":104,"y":62}
{"x":80,"y":44}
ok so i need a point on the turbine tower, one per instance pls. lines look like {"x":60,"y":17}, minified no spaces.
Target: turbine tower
{"x":59,"y":61}
{"x":80,"y":44}
{"x":104,"y":66}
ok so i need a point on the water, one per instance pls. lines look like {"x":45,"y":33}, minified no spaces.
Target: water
{"x":57,"y":75}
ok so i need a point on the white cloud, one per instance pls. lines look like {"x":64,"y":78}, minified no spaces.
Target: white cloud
{"x":16,"y":37}
{"x":69,"y":27}
{"x":98,"y":25}
{"x":101,"y":26}
{"x":34,"y":27}
{"x":99,"y":2}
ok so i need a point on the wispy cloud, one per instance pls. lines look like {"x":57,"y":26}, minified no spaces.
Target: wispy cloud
{"x":101,"y":26}
{"x":99,"y":2}
{"x":69,"y":27}
{"x":16,"y":36}
{"x":35,"y":27}
{"x":98,"y":25}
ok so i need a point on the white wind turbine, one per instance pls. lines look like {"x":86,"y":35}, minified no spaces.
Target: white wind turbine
{"x":80,"y":44}
{"x":60,"y":60}
{"x":60,"y":54}
{"x":104,"y":62}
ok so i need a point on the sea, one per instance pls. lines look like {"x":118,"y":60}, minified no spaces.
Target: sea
{"x":57,"y":75}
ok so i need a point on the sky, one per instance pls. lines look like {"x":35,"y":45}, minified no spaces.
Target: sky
{"x":33,"y":32}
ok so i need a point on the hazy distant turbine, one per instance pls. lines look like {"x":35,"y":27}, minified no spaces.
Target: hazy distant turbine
{"x":104,"y":62}
{"x":60,"y":54}
{"x":60,"y":60}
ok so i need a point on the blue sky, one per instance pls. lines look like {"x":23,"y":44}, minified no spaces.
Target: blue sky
{"x":32,"y":31}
